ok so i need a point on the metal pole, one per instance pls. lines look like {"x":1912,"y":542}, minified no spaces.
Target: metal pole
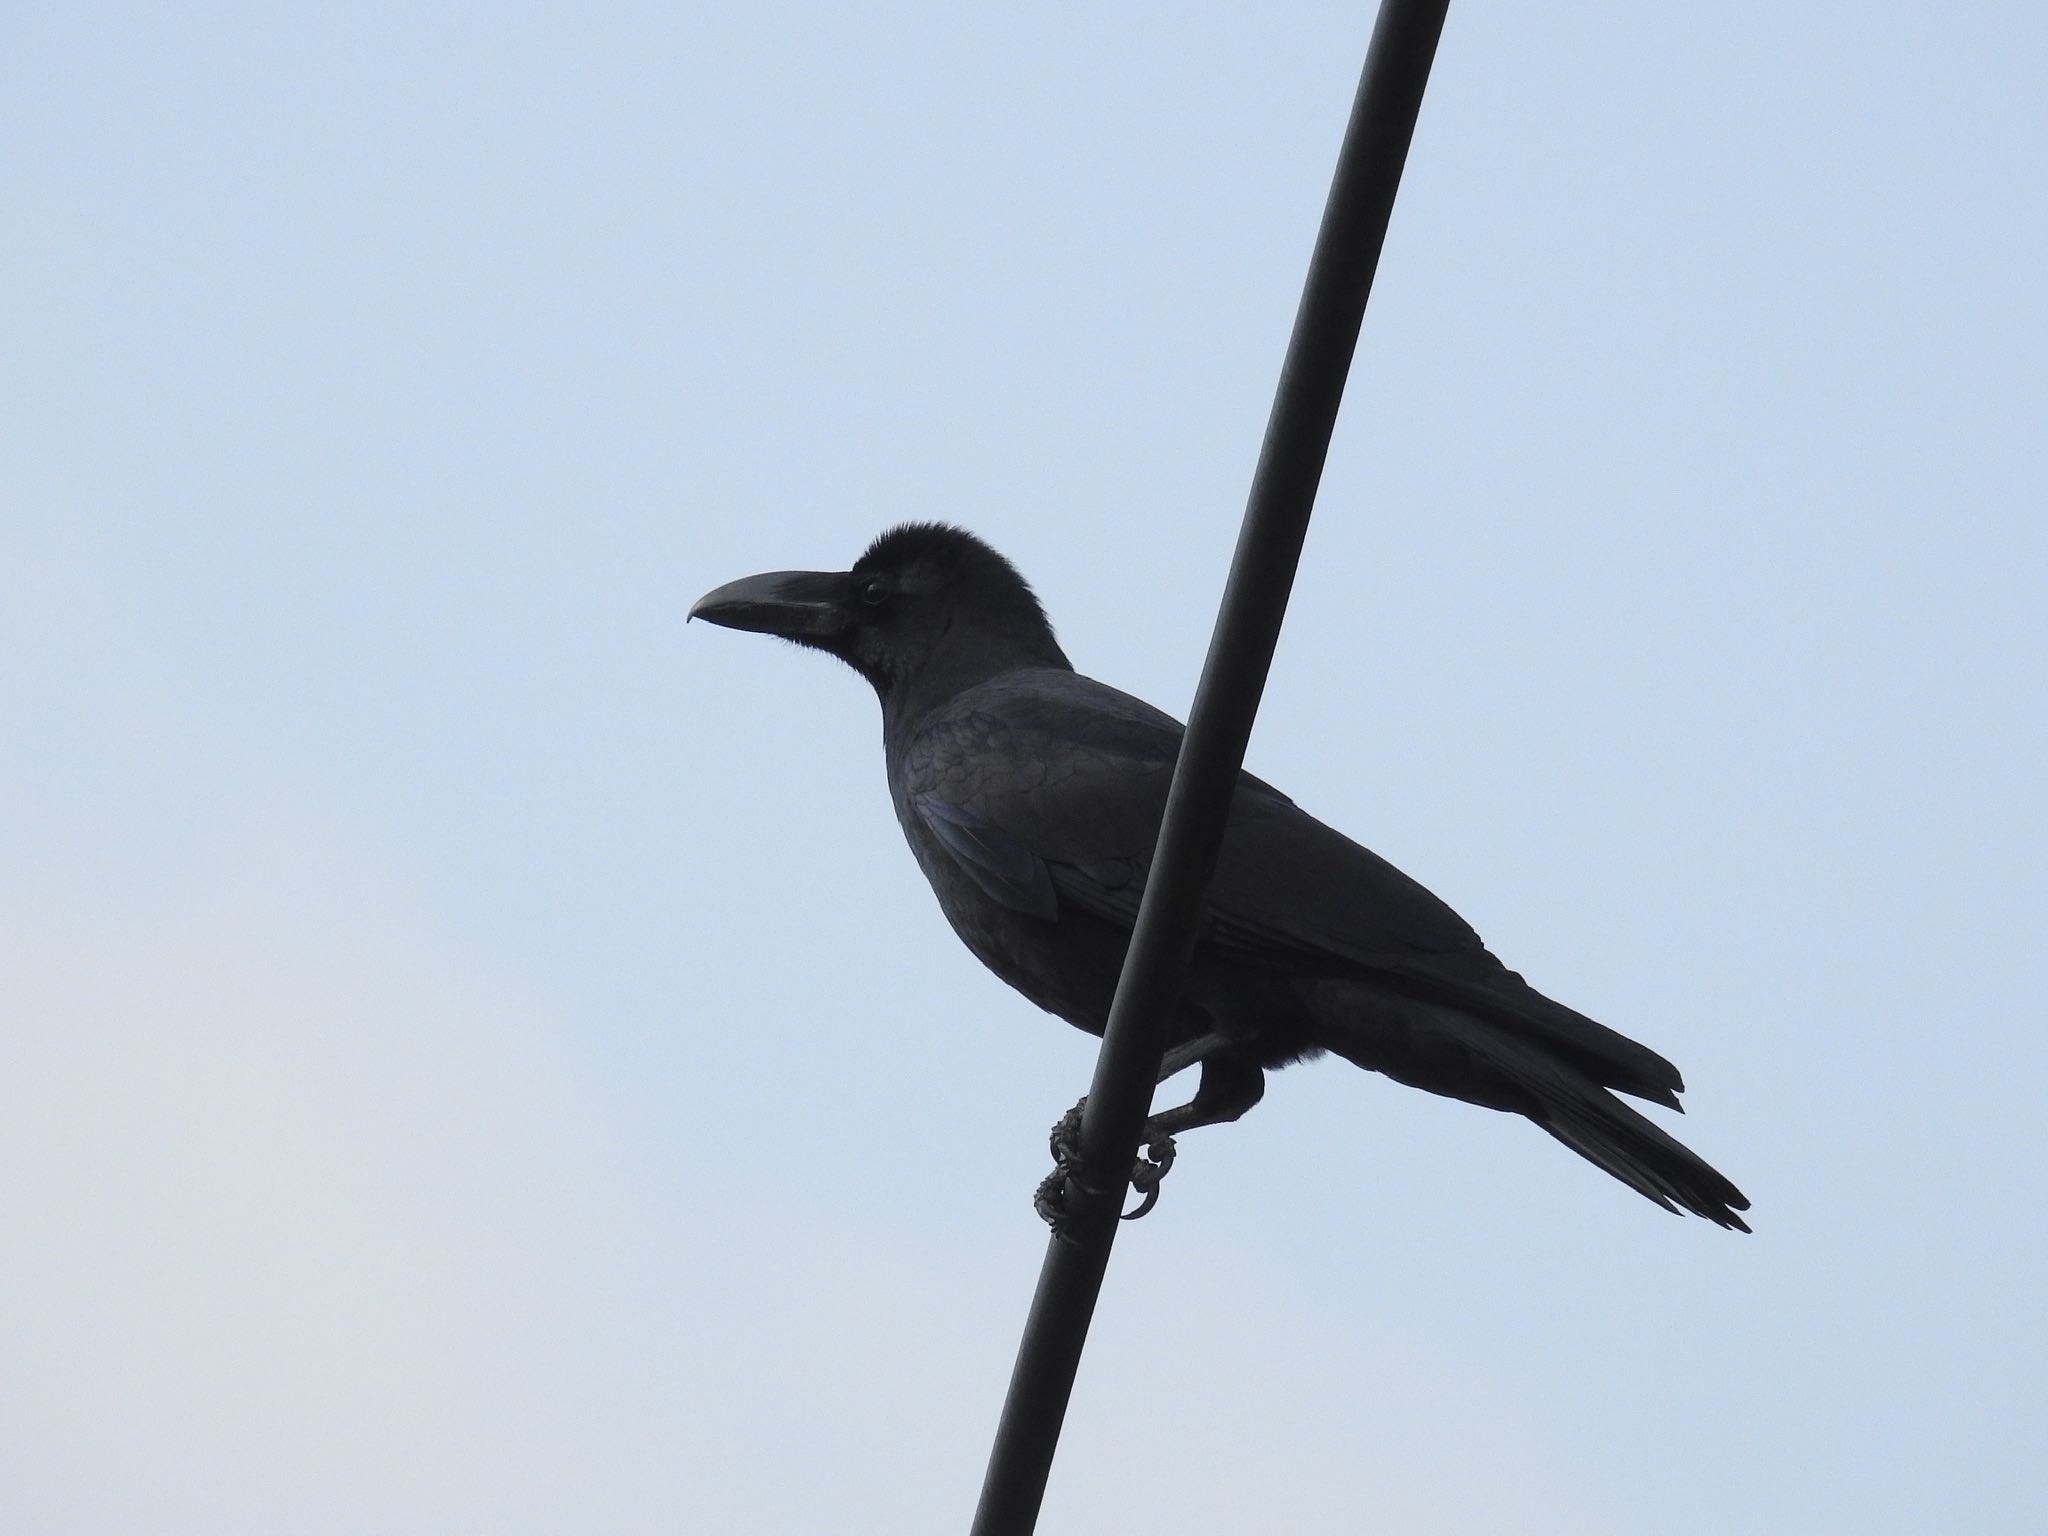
{"x":1269,"y":544}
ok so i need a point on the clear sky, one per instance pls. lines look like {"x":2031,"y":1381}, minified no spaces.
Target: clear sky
{"x":474,"y":1053}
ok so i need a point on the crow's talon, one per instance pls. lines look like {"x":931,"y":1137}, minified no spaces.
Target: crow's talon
{"x":1050,"y":1201}
{"x":1149,"y":1172}
{"x":1065,"y":1137}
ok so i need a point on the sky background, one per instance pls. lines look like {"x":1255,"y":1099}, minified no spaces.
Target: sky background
{"x":475,"y":1054}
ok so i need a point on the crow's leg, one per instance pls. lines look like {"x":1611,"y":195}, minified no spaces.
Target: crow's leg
{"x":1185,"y":1055}
{"x":1229,"y":1086}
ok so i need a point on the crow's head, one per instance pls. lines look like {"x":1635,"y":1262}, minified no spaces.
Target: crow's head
{"x":928,"y":610}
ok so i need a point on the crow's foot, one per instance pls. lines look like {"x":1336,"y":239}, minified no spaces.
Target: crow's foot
{"x":1065,"y":1138}
{"x":1069,"y":1171}
{"x":1050,"y":1200}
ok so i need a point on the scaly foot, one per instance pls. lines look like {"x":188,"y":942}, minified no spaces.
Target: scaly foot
{"x":1050,"y":1199}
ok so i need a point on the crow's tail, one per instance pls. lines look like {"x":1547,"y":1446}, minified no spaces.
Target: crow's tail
{"x":1605,"y":1131}
{"x":1481,"y":1061}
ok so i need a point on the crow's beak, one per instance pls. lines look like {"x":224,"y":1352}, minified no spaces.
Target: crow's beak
{"x":798,"y":605}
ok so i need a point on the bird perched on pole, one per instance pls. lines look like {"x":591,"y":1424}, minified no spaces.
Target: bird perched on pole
{"x":1032,"y":797}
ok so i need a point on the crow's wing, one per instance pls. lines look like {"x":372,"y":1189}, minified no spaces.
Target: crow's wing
{"x":1048,"y":788}
{"x":1050,"y":785}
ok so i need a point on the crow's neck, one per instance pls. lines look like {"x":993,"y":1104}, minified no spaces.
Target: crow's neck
{"x":948,"y":671}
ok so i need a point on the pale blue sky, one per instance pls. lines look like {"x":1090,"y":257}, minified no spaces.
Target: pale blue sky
{"x":476,"y":1055}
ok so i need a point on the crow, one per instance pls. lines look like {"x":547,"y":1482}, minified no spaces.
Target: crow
{"x":1032,"y":797}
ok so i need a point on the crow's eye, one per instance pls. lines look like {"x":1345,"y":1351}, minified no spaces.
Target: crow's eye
{"x":874,"y":591}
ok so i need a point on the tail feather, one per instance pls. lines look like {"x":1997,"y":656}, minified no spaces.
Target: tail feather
{"x":1612,"y":1136}
{"x":1482,"y":1060}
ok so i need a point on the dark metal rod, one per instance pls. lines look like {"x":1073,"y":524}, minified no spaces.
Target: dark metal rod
{"x":1269,"y":544}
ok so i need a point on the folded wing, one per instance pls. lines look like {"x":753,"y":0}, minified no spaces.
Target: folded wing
{"x":1048,"y":788}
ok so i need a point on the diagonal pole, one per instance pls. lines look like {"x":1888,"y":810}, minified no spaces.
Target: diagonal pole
{"x":1262,"y":570}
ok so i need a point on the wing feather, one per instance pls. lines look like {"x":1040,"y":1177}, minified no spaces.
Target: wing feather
{"x":1049,"y":788}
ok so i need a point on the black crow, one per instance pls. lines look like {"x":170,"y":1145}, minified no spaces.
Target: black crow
{"x":1032,"y":797}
